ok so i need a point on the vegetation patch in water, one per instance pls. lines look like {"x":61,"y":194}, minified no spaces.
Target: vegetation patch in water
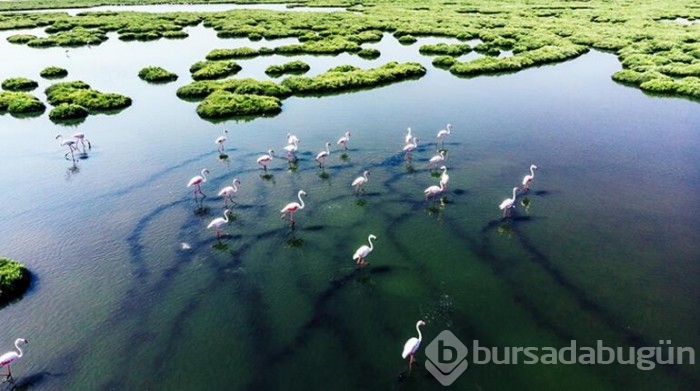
{"x":293,"y":67}
{"x":79,"y":93}
{"x":543,"y":55}
{"x":19,"y":84}
{"x":21,"y":39}
{"x":19,"y":102}
{"x":230,"y":54}
{"x":350,"y":78}
{"x":445,"y":49}
{"x":208,"y":70}
{"x":224,"y":104}
{"x":53,"y":72}
{"x":14,"y":280}
{"x":202,"y":89}
{"x":156,"y":75}
{"x":369,"y":53}
{"x":68,"y":111}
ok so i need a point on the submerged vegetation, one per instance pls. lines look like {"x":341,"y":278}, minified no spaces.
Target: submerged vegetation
{"x":14,"y":280}
{"x":156,"y":75}
{"x":657,"y":53}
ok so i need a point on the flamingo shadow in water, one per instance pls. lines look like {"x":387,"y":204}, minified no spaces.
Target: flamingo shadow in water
{"x":32,"y":381}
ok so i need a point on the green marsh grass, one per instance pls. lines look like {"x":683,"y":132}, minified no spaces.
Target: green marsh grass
{"x":19,"y":84}
{"x":155,"y":74}
{"x":292,"y":67}
{"x":53,"y":72}
{"x":20,"y":102}
{"x":14,"y":280}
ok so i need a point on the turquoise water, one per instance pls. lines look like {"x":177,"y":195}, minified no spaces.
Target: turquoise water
{"x":133,"y":292}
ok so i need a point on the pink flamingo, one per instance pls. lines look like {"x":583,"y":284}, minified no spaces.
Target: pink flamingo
{"x":81,"y":137}
{"x":433,"y":190}
{"x":228,"y":192}
{"x":292,"y":139}
{"x":343,"y":141}
{"x":407,"y":139}
{"x":8,"y":358}
{"x":364,"y":251}
{"x":408,"y":148}
{"x":220,"y":141}
{"x":321,"y":157}
{"x":70,"y":143}
{"x":292,"y":207}
{"x":528,"y":178}
{"x":197,"y":181}
{"x":218,"y":222}
{"x":444,"y":178}
{"x":410,"y":348}
{"x":360,"y":180}
{"x":436,"y":159}
{"x":292,"y":150}
{"x":442,"y":134}
{"x":264,"y":159}
{"x":508,"y":203}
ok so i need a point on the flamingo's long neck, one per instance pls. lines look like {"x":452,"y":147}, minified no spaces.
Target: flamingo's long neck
{"x":18,"y":348}
{"x":328,"y":149}
{"x":514,"y":190}
{"x":204,"y":175}
{"x":532,"y":172}
{"x":226,"y":216}
{"x":371,"y":245}
{"x":235,"y":188}
{"x":301,"y":201}
{"x":365,"y":175}
{"x":420,"y":336}
{"x":449,"y":128}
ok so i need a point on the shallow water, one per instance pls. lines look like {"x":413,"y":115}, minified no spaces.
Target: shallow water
{"x":133,"y":292}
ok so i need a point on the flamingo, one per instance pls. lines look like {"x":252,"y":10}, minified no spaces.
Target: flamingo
{"x":218,"y":222}
{"x":433,"y":190}
{"x":292,"y":139}
{"x":8,"y":358}
{"x":408,"y":148}
{"x":344,"y":140}
{"x":220,"y":141}
{"x":444,"y":178}
{"x":410,"y":348}
{"x":264,"y":159}
{"x":508,"y":203}
{"x":292,"y":207}
{"x":364,"y":251}
{"x":197,"y":181}
{"x":528,"y":178}
{"x":442,"y":133}
{"x":360,"y":180}
{"x":321,"y":157}
{"x":407,"y":139}
{"x":292,"y":149}
{"x":436,"y":159}
{"x":228,"y":192}
{"x":81,"y":137}
{"x":71,"y":143}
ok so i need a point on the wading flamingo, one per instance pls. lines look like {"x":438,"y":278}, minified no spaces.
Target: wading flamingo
{"x":292,"y":207}
{"x":81,"y":137}
{"x":408,"y":148}
{"x":528,"y":178}
{"x":197,"y":181}
{"x":228,"y":192}
{"x":321,"y":157}
{"x":407,"y":139}
{"x":70,"y":143}
{"x":410,"y":348}
{"x":292,"y":139}
{"x":444,"y":178}
{"x":433,"y":190}
{"x":218,"y":222}
{"x":508,"y":203}
{"x":343,"y":141}
{"x":264,"y":159}
{"x":220,"y":141}
{"x":292,"y":150}
{"x":436,"y":159}
{"x":8,"y":358}
{"x":360,"y":181}
{"x":442,"y":134}
{"x":364,"y":251}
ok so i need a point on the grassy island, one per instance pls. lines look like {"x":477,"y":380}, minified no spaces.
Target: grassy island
{"x":208,"y":70}
{"x":53,"y":72}
{"x":224,"y":104}
{"x":20,"y":103}
{"x":293,"y":67}
{"x":157,"y":75}
{"x":14,"y":280}
{"x":19,"y":84}
{"x":74,"y":98}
